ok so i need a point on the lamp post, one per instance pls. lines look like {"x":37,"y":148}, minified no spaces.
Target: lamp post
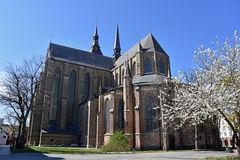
{"x":164,"y":134}
{"x":40,"y":138}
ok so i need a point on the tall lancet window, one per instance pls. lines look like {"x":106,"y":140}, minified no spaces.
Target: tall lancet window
{"x":161,"y":66}
{"x":71,"y":97}
{"x":148,"y":65}
{"x":99,"y":83}
{"x":134,"y":68}
{"x":106,"y":83}
{"x":122,"y":75}
{"x":108,"y":107}
{"x":120,"y":114}
{"x":56,"y":97}
{"x":116,"y":80}
{"x":150,"y":117}
{"x":87,"y":85}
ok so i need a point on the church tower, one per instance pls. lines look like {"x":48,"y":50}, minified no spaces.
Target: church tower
{"x":95,"y":49}
{"x":117,"y":48}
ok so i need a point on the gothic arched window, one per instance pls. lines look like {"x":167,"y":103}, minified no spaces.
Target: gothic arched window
{"x":87,"y":85}
{"x":122,"y":75}
{"x":108,"y":107}
{"x":71,"y":96}
{"x":106,"y":81}
{"x":161,"y":66}
{"x":150,"y":116}
{"x":83,"y":119}
{"x":148,"y":65}
{"x":116,"y":79}
{"x":56,"y":97}
{"x":120,"y":114}
{"x":99,"y":82}
{"x":134,"y":69}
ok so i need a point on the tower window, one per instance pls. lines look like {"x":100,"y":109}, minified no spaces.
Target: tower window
{"x":148,"y":65}
{"x":134,"y":68}
{"x":161,"y":66}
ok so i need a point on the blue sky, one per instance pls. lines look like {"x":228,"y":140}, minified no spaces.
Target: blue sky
{"x":179,"y":26}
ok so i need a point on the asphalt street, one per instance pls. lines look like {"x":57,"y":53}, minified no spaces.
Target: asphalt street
{"x":181,"y":155}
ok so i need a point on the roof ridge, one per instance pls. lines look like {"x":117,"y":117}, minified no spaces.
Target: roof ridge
{"x":87,"y":52}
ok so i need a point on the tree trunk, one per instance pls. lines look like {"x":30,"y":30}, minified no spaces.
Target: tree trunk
{"x":196,"y":137}
{"x":238,"y":145}
{"x":235,"y":134}
{"x":233,"y":142}
{"x":23,"y":137}
{"x":205,"y":137}
{"x":19,"y":135}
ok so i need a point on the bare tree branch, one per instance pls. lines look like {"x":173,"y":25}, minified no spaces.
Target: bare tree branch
{"x":19,"y":89}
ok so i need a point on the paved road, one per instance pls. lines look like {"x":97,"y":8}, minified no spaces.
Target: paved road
{"x":186,"y":155}
{"x":4,"y":150}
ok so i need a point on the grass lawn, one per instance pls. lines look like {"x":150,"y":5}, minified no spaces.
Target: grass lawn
{"x":74,"y":150}
{"x":224,"y":158}
{"x":59,"y":150}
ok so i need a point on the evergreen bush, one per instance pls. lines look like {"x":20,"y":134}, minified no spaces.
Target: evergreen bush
{"x":117,"y":143}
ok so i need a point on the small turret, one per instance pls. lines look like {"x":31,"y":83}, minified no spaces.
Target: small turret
{"x":127,"y":72}
{"x":139,"y":49}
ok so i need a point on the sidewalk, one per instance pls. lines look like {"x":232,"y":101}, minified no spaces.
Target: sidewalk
{"x":5,"y":150}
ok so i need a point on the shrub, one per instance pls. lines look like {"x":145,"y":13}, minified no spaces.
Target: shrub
{"x":117,"y":143}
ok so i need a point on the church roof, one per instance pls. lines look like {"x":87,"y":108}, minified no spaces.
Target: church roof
{"x":148,"y":44}
{"x":80,"y":57}
{"x":148,"y":79}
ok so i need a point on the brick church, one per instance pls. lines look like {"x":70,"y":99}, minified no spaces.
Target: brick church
{"x":84,"y":97}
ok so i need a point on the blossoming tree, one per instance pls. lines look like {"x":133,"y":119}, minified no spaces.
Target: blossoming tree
{"x":211,"y":89}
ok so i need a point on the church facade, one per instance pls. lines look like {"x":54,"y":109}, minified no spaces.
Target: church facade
{"x":84,"y":97}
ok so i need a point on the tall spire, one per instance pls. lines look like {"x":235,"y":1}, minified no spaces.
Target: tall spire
{"x":96,"y":33}
{"x":117,"y":48}
{"x":95,"y":49}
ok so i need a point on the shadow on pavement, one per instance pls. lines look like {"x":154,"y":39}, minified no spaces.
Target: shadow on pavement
{"x":24,"y":154}
{"x":29,"y":156}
